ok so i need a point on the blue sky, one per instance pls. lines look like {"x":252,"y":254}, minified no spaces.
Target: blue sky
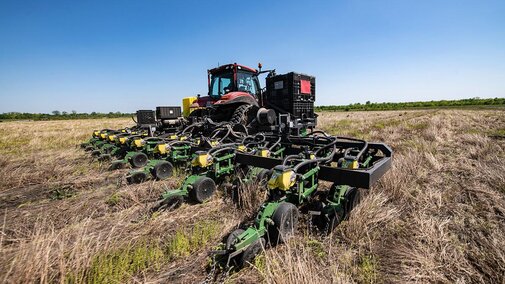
{"x":127,"y":55}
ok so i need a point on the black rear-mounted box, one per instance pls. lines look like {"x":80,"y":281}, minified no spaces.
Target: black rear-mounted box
{"x":168,"y":112}
{"x":292,"y":93}
{"x":146,"y":117}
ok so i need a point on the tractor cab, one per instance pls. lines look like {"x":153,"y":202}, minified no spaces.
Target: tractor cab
{"x":230,"y":85}
{"x":233,"y":78}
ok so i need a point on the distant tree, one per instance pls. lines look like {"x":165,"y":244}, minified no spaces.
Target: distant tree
{"x":56,"y":112}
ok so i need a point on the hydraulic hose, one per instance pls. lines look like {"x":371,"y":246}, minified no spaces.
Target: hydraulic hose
{"x":363,"y":149}
{"x":275,"y":144}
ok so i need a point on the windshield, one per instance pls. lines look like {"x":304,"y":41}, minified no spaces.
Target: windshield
{"x":221,"y":84}
{"x":246,"y":83}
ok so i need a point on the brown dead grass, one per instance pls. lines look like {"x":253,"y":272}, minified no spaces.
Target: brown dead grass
{"x":437,"y":216}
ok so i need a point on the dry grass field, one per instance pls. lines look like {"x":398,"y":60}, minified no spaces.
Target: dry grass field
{"x":437,"y":216}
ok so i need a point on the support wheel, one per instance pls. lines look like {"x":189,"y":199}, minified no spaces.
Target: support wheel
{"x":248,"y":255}
{"x":230,"y":241}
{"x":138,"y":160}
{"x":136,"y":177}
{"x":353,"y":198}
{"x":251,"y":252}
{"x":116,"y":165}
{"x":326,"y":223}
{"x":203,"y":189}
{"x":104,"y":157}
{"x":285,"y":220}
{"x":263,"y":176}
{"x":168,"y":204}
{"x":163,"y":170}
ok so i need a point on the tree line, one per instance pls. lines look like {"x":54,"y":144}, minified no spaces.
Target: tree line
{"x":412,"y":105}
{"x":59,"y":115}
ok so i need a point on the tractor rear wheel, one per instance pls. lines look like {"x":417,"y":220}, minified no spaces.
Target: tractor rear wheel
{"x":163,"y":170}
{"x":138,"y":160}
{"x":285,"y":220}
{"x":243,"y":114}
{"x":203,"y":189}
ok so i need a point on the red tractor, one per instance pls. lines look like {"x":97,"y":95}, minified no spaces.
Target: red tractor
{"x":234,"y":94}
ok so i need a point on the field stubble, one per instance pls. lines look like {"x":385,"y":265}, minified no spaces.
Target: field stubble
{"x":437,"y":216}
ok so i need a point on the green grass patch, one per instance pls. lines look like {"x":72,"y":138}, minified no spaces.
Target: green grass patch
{"x":317,"y":248}
{"x":62,"y":192}
{"x":417,"y":126}
{"x":367,"y":269}
{"x":119,"y":265}
{"x":498,"y":132}
{"x":184,"y":242}
{"x":114,"y":199}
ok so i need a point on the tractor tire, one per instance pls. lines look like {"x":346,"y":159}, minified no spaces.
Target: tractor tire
{"x":203,"y":189}
{"x":138,"y":160}
{"x":168,"y":204}
{"x":163,"y":170}
{"x":285,"y":220}
{"x":243,"y":114}
{"x":136,"y":177}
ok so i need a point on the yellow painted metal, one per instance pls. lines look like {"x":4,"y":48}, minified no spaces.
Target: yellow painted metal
{"x":186,"y":105}
{"x":264,"y":153}
{"x":282,"y":180}
{"x":161,"y":148}
{"x":138,"y":143}
{"x":202,"y":160}
{"x":122,"y":140}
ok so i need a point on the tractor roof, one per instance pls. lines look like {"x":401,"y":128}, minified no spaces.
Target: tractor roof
{"x":230,"y":67}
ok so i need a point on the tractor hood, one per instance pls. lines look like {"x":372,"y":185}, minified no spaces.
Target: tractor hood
{"x":229,"y":98}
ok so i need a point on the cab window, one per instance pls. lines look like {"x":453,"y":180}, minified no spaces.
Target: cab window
{"x":246,"y":83}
